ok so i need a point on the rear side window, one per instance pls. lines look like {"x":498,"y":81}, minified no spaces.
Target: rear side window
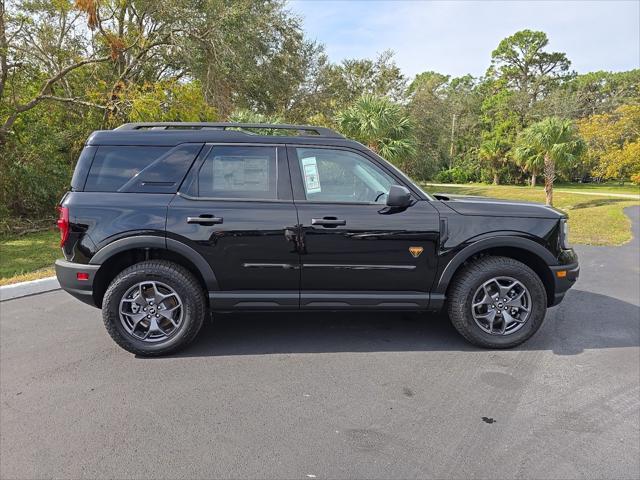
{"x":239,"y":172}
{"x":82,"y":168}
{"x":112,"y":167}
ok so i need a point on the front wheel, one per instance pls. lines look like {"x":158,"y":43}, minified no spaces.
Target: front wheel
{"x":154,"y":308}
{"x":497,"y":302}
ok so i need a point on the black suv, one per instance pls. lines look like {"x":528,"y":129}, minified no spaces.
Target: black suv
{"x":167,"y":222}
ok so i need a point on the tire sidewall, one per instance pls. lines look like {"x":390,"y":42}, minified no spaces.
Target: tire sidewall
{"x":133,"y":276}
{"x":530,"y":280}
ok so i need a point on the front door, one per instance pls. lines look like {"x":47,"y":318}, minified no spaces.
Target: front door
{"x":235,"y":208}
{"x":356,"y":252}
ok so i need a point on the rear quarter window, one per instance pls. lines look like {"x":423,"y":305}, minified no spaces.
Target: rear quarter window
{"x":113,"y":167}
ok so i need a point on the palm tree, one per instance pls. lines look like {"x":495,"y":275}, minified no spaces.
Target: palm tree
{"x":547,"y":144}
{"x":381,"y":125}
{"x":530,"y":160}
{"x":493,"y":154}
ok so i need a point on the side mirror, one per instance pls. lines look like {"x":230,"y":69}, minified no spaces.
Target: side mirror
{"x":398,"y":196}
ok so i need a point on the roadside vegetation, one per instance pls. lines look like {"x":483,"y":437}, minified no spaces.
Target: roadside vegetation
{"x":70,"y":67}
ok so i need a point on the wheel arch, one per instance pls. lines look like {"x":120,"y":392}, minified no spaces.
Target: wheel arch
{"x":125,"y":252}
{"x":532,"y":254}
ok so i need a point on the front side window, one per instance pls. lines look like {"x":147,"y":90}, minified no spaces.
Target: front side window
{"x":239,"y":172}
{"x":342,"y":176}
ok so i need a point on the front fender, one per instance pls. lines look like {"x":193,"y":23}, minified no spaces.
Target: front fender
{"x":488,"y":243}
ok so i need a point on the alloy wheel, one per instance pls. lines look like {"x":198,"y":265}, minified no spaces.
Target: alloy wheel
{"x":151,"y":311}
{"x":501,"y":306}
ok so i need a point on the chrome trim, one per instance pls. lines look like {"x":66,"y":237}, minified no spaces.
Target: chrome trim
{"x":217,"y":199}
{"x":358,"y":267}
{"x":286,"y":266}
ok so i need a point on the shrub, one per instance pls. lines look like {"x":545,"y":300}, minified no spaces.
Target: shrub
{"x":453,"y":175}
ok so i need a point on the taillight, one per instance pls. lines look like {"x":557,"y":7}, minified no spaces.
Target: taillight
{"x":63,"y":224}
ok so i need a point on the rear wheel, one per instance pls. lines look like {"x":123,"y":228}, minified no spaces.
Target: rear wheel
{"x":497,"y":302}
{"x":154,"y":307}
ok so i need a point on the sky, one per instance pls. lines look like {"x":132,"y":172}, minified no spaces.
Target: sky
{"x":457,"y":37}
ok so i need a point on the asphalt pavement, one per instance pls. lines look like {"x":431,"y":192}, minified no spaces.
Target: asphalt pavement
{"x":330,"y":395}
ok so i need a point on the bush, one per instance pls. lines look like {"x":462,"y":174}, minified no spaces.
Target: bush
{"x":454,"y":175}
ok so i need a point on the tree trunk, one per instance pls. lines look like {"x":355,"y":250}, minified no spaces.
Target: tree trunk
{"x":533,"y":178}
{"x":451,"y":148}
{"x":496,"y":179}
{"x":549,"y":177}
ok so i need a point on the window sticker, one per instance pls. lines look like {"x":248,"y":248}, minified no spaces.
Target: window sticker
{"x":311,"y":175}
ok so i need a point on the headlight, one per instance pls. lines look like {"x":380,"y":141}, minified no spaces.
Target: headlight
{"x":564,"y":234}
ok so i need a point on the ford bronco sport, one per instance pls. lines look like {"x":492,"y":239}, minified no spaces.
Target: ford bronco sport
{"x":167,"y":222}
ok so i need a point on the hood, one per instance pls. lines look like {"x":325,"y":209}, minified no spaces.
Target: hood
{"x":493,"y":207}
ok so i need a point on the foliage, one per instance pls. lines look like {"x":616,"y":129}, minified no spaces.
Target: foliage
{"x":168,"y":101}
{"x":68,"y":67}
{"x":381,"y":125}
{"x":493,"y":153}
{"x":614,"y":142}
{"x":527,"y":69}
{"x":549,"y":144}
{"x":453,"y":175}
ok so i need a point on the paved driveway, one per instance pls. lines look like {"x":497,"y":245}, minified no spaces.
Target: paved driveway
{"x":330,"y":396}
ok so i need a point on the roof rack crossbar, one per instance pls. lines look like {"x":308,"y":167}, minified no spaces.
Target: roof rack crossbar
{"x":303,"y":130}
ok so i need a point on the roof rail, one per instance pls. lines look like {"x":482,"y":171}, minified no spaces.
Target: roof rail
{"x":303,"y":130}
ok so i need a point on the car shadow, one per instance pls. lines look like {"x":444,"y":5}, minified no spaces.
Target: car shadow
{"x":582,"y":322}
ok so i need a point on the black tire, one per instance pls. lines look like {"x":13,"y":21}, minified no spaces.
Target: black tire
{"x":471,"y":277}
{"x":172,"y":275}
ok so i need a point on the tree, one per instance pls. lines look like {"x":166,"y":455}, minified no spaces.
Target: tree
{"x":493,"y":153}
{"x":445,"y":112}
{"x":592,"y":93}
{"x":527,"y":68}
{"x":429,"y":112}
{"x":551,"y":142}
{"x":381,"y":125}
{"x":41,"y":46}
{"x":613,"y":140}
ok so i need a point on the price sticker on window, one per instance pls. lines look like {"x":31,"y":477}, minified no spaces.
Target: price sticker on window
{"x":311,"y":175}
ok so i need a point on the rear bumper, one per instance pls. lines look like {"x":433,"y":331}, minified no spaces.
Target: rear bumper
{"x":563,"y":283}
{"x":67,"y":273}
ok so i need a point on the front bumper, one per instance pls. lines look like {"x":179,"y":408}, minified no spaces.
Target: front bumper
{"x":67,"y":273}
{"x":563,"y":282}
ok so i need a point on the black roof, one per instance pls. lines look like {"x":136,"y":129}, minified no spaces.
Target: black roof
{"x":174,"y":133}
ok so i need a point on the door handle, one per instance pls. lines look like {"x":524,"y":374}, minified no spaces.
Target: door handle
{"x":205,"y":220}
{"x":328,"y":222}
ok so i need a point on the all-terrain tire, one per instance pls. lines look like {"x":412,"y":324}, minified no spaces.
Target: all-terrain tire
{"x":176,"y":277}
{"x":471,"y":277}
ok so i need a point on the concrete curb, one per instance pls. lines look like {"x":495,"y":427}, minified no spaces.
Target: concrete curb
{"x":33,"y":287}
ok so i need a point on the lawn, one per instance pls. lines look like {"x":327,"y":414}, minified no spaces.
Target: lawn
{"x":593,"y":220}
{"x":601,"y":187}
{"x":29,"y":256}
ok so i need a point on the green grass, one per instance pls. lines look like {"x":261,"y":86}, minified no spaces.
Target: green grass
{"x":29,"y":256}
{"x":592,"y":220}
{"x":600,"y":187}
{"x":603,"y":188}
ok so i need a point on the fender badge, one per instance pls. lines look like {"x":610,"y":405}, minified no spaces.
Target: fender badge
{"x":415,"y":251}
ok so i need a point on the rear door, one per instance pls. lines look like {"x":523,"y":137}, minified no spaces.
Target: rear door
{"x":355,"y":251}
{"x":236,"y":209}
